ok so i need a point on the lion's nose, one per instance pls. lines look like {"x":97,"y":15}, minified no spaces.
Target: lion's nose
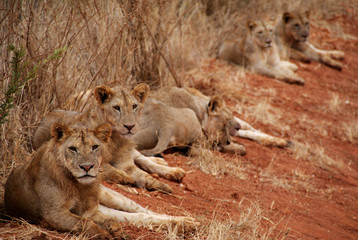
{"x":268,"y":41}
{"x":228,"y":142}
{"x":87,"y":167}
{"x":129,"y":127}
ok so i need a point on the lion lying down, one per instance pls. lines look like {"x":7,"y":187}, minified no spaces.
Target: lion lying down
{"x":178,"y":116}
{"x":59,"y":187}
{"x":258,"y":52}
{"x":121,"y":109}
{"x":174,"y":117}
{"x":198,"y":102}
{"x":292,"y":39}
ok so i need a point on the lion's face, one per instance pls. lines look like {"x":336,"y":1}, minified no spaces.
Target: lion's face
{"x":122,"y":107}
{"x":262,"y":32}
{"x":217,"y":125}
{"x":81,"y":150}
{"x":296,"y":26}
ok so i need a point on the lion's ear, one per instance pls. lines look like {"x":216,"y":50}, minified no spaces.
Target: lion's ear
{"x":141,"y":92}
{"x":103,"y":132}
{"x":103,"y":94}
{"x":286,"y":17}
{"x":216,"y":104}
{"x":251,"y":25}
{"x":58,"y":131}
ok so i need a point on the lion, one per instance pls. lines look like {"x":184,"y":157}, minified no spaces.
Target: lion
{"x":258,"y":52}
{"x":292,"y":34}
{"x":121,"y":109}
{"x":194,"y":99}
{"x":175,"y":117}
{"x":59,"y":187}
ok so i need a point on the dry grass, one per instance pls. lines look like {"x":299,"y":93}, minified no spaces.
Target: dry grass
{"x":249,"y":226}
{"x":215,"y":163}
{"x":350,"y":130}
{"x":335,"y":103}
{"x":125,"y":43}
{"x":303,"y":150}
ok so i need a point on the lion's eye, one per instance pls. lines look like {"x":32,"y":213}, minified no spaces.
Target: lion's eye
{"x":270,"y":30}
{"x":307,"y":23}
{"x":118,"y":108}
{"x":260,"y":33}
{"x":73,"y":149}
{"x":297,"y":25}
{"x":94,"y":147}
{"x":135,"y":106}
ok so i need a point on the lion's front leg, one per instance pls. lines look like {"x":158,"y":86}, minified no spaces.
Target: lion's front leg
{"x":299,"y":56}
{"x":262,"y":138}
{"x":115,"y":200}
{"x":115,"y":175}
{"x":123,"y":209}
{"x":323,"y":56}
{"x":145,"y":163}
{"x":150,"y":219}
{"x":112,"y":225}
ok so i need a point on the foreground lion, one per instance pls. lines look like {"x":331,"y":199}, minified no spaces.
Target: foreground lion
{"x":292,"y":40}
{"x":120,"y":108}
{"x":175,"y":117}
{"x":258,"y":52}
{"x":198,"y":102}
{"x":59,"y":187}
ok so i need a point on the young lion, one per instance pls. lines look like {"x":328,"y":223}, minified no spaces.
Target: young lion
{"x":173,"y":117}
{"x":198,"y":102}
{"x":258,"y":52}
{"x":121,"y":109}
{"x":292,"y":40}
{"x":59,"y":187}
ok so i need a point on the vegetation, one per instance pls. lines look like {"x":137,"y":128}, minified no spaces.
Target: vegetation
{"x":72,"y":46}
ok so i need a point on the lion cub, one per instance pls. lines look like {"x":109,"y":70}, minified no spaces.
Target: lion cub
{"x":258,"y":52}
{"x":292,"y":40}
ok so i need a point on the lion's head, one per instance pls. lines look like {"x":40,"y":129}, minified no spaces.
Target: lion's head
{"x":81,"y":150}
{"x":262,"y":32}
{"x":296,"y":26}
{"x":217,"y":125}
{"x":122,"y":107}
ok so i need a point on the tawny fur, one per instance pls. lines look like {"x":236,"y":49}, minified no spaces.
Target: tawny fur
{"x":120,"y":108}
{"x":258,"y":52}
{"x":177,"y":117}
{"x":56,"y":191}
{"x":198,"y":102}
{"x":180,"y":116}
{"x":52,"y":188}
{"x":292,"y":39}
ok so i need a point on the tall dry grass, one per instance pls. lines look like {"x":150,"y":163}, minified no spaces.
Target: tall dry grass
{"x":113,"y":42}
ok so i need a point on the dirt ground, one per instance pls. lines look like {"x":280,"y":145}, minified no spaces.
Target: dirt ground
{"x":320,"y":205}
{"x":297,"y":198}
